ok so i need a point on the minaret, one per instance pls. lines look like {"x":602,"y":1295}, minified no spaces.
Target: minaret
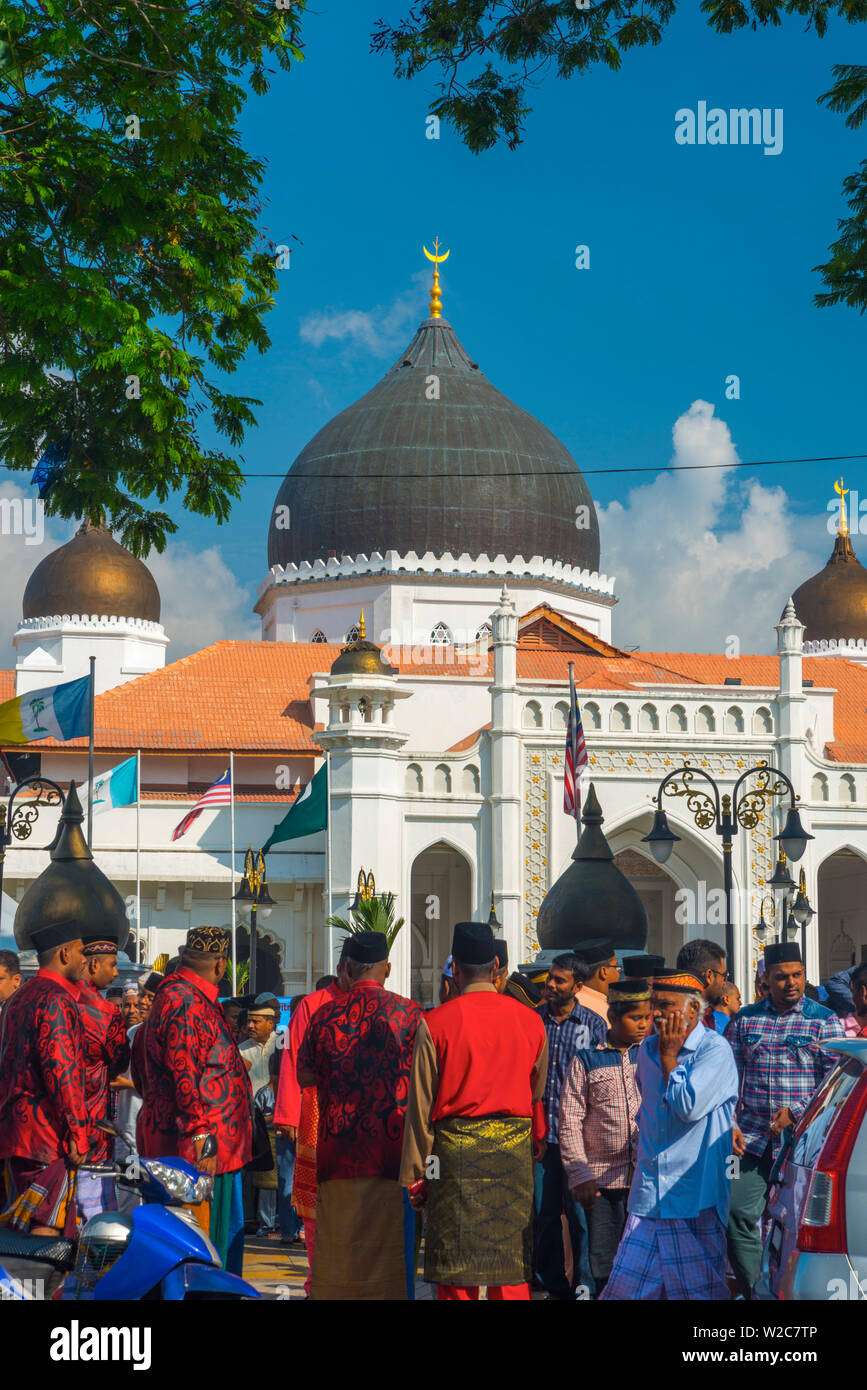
{"x":366,"y":784}
{"x":506,"y":778}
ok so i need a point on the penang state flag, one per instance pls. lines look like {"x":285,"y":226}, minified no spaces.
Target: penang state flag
{"x":61,"y":712}
{"x":220,"y":794}
{"x":117,"y":787}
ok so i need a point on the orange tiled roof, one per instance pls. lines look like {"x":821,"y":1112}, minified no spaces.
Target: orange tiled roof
{"x":468,"y":742}
{"x":245,"y":696}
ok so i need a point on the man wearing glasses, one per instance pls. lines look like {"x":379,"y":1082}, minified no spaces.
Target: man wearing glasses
{"x":707,"y":961}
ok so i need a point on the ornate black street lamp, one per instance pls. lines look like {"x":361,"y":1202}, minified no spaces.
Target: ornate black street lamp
{"x":16,"y":822}
{"x":254,"y":900}
{"x":726,"y":813}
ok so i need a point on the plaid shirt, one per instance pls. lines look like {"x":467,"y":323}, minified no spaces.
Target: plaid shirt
{"x":780,"y":1063}
{"x":598,"y":1117}
{"x":580,"y":1029}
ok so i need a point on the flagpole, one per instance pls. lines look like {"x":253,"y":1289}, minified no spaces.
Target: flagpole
{"x":232,"y":809}
{"x":138,"y":855}
{"x":330,"y":935}
{"x":90,"y":756}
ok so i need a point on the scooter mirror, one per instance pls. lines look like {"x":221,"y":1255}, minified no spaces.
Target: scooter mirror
{"x":209,"y":1147}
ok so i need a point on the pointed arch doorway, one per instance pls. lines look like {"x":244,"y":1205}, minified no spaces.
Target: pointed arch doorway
{"x":440,"y":895}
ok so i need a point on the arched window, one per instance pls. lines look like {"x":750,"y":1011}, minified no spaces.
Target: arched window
{"x":414,"y":782}
{"x":677,"y":720}
{"x":441,"y":636}
{"x":648,"y":719}
{"x":704,"y":721}
{"x":353,"y":634}
{"x":532,"y":715}
{"x":847,"y":789}
{"x":590,"y":716}
{"x":734,"y":722}
{"x":484,"y":631}
{"x":819,"y":787}
{"x":560,"y":715}
{"x":762,"y":722}
{"x":319,"y":636}
{"x":620,"y":720}
{"x":442,"y":778}
{"x":470,"y":781}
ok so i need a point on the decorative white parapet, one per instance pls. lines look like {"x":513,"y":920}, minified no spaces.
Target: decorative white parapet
{"x":93,"y":622}
{"x":837,"y":646}
{"x":483,"y":566}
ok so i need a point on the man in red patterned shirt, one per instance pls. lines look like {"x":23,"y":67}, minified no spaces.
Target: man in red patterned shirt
{"x":44,"y":1132}
{"x":357,"y":1051}
{"x":187,"y":1068}
{"x":106,"y":1055}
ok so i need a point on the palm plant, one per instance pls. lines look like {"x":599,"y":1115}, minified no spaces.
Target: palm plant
{"x":243,"y":973}
{"x":371,"y":914}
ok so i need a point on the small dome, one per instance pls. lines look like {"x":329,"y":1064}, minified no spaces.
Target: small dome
{"x":92,"y":574}
{"x":592,"y":897}
{"x":833,"y":603}
{"x":361,"y":658}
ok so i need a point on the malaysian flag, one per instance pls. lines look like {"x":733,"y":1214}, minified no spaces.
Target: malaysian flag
{"x":576,"y":753}
{"x":220,"y":794}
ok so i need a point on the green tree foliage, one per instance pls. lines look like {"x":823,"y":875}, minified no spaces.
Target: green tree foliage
{"x":372,"y":914}
{"x":488,"y":52}
{"x":133,"y":274}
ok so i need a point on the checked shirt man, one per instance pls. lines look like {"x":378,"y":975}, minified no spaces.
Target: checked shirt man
{"x":777,"y":1048}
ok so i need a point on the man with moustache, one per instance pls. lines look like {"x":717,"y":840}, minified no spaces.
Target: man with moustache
{"x":776,"y":1045}
{"x":673,"y":1244}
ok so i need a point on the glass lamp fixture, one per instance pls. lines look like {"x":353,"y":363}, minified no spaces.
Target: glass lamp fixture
{"x":661,"y":839}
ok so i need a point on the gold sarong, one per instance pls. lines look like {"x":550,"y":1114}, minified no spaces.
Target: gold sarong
{"x":359,"y":1252}
{"x":480,"y":1202}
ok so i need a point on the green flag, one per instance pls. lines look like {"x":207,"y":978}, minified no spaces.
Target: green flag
{"x":307,"y":815}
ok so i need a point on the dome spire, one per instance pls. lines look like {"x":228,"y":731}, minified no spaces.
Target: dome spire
{"x":842,"y":522}
{"x":436,"y":303}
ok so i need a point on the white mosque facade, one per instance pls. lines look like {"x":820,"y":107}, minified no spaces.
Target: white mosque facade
{"x":464,"y":532}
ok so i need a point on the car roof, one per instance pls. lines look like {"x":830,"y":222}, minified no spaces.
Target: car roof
{"x":848,"y":1047}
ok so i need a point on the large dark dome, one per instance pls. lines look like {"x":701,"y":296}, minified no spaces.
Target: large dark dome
{"x":833,"y":603}
{"x":92,"y":574}
{"x":469,"y":471}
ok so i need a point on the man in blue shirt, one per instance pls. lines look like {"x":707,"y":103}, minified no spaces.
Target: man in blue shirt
{"x":571,"y":1028}
{"x":674,"y":1242}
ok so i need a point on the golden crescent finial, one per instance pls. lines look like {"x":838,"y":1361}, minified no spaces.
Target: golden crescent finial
{"x":843,"y":522}
{"x":436,"y":303}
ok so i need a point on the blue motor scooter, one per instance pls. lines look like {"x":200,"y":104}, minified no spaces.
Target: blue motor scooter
{"x":158,"y":1252}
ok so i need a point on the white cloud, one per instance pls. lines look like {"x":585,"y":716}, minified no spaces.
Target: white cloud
{"x":704,"y":554}
{"x":202,"y":601}
{"x":378,"y":331}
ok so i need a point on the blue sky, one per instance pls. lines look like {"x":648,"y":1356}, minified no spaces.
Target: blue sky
{"x":700,"y":266}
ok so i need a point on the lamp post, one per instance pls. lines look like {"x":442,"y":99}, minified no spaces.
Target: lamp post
{"x":16,"y":822}
{"x":254,"y":900}
{"x":726,"y":813}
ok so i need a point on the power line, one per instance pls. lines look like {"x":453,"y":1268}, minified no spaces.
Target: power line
{"x":542,"y":472}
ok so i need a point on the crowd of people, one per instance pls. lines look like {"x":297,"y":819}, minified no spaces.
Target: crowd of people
{"x":590,"y":1130}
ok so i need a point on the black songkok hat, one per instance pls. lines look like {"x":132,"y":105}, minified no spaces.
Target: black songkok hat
{"x":524,"y":990}
{"x":595,"y":952}
{"x":153,"y":982}
{"x":214,"y":941}
{"x":782,"y":951}
{"x":367,"y":947}
{"x":631,"y":991}
{"x":57,"y":934}
{"x":502,"y":952}
{"x":642,"y":967}
{"x":678,"y":981}
{"x":473,"y":943}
